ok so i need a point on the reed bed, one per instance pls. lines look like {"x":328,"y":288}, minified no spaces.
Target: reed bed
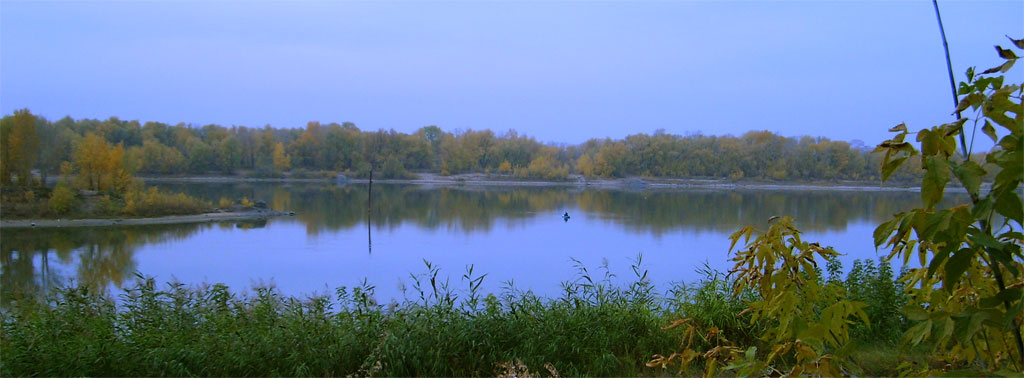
{"x":595,"y":328}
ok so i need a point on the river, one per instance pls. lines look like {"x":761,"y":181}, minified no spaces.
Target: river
{"x":515,"y":235}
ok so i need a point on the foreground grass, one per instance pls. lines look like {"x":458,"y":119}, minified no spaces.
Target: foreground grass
{"x":594,"y":329}
{"x":212,"y":332}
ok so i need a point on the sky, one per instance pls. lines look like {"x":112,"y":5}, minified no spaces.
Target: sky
{"x":560,"y":71}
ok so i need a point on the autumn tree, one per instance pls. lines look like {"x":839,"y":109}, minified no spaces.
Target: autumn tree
{"x":281,"y":160}
{"x":757,"y":154}
{"x":20,"y":144}
{"x":585,"y":165}
{"x":101,"y":166}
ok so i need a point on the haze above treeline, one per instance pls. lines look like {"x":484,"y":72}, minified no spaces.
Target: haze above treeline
{"x":323,"y":150}
{"x":559,"y":71}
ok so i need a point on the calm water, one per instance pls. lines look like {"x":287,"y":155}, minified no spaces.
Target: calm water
{"x":511,"y":233}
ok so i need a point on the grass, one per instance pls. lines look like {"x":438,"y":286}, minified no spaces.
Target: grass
{"x":595,"y":328}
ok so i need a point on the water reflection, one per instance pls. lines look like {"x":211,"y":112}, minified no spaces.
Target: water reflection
{"x":323,"y":207}
{"x":32,"y":260}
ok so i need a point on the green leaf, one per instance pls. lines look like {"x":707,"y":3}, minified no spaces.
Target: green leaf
{"x":1010,"y":162}
{"x":1000,"y":68}
{"x":884,"y":230}
{"x":982,"y":208}
{"x":1006,"y":66}
{"x":956,"y":266}
{"x":951,"y":129}
{"x":929,"y":142}
{"x":964,"y":88}
{"x":914,"y":313}
{"x":974,"y":325}
{"x":965,"y":373}
{"x":1012,"y":235}
{"x":990,"y":131}
{"x":935,"y":222}
{"x":937,"y":260}
{"x":969,"y":174}
{"x":900,"y":127}
{"x":1009,"y":205}
{"x":1013,"y":143}
{"x":933,"y":185}
{"x":1004,"y":258}
{"x":1005,"y":53}
{"x":1018,"y":42}
{"x":889,"y":167}
{"x":1008,"y":295}
{"x":943,"y":329}
{"x":915,"y":334}
{"x":980,"y":238}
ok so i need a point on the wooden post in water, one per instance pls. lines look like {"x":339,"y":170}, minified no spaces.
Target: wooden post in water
{"x":369,"y":213}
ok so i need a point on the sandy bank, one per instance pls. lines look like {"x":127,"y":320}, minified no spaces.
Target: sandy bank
{"x":199,"y":218}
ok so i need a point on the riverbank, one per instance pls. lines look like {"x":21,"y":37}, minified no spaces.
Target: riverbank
{"x":598,"y":329}
{"x":634,"y":183}
{"x":198,"y":218}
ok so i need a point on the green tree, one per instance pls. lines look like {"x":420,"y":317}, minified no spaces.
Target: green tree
{"x":967,"y":290}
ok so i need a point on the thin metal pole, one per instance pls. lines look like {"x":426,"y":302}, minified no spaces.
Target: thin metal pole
{"x":952,"y":83}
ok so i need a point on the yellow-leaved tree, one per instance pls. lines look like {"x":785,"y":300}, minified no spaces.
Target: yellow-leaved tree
{"x":281,"y":160}
{"x":101,"y":166}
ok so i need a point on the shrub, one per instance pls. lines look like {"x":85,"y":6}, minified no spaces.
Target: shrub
{"x":265,"y":172}
{"x":61,"y":199}
{"x":151,"y":202}
{"x":544,"y":168}
{"x":393,"y":169}
{"x":505,"y":167}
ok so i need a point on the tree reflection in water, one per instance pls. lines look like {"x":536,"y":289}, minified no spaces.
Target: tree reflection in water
{"x":323,"y":207}
{"x":103,"y":257}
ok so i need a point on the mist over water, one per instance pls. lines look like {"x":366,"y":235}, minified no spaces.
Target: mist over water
{"x":516,"y":235}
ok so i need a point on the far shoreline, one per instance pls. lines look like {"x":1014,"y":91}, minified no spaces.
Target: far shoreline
{"x":173,"y":219}
{"x":630,"y":183}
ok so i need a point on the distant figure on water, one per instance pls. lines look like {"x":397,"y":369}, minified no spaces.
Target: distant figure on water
{"x":565,"y":216}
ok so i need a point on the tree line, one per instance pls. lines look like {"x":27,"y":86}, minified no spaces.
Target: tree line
{"x":29,"y":142}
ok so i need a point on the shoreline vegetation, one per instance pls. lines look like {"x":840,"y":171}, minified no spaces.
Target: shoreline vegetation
{"x":104,"y":157}
{"x":251,"y":215}
{"x":236,"y":212}
{"x":638,"y":183}
{"x":597,"y":327}
{"x":40,"y":147}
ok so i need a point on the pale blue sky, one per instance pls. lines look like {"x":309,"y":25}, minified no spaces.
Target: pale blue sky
{"x":559,"y":71}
